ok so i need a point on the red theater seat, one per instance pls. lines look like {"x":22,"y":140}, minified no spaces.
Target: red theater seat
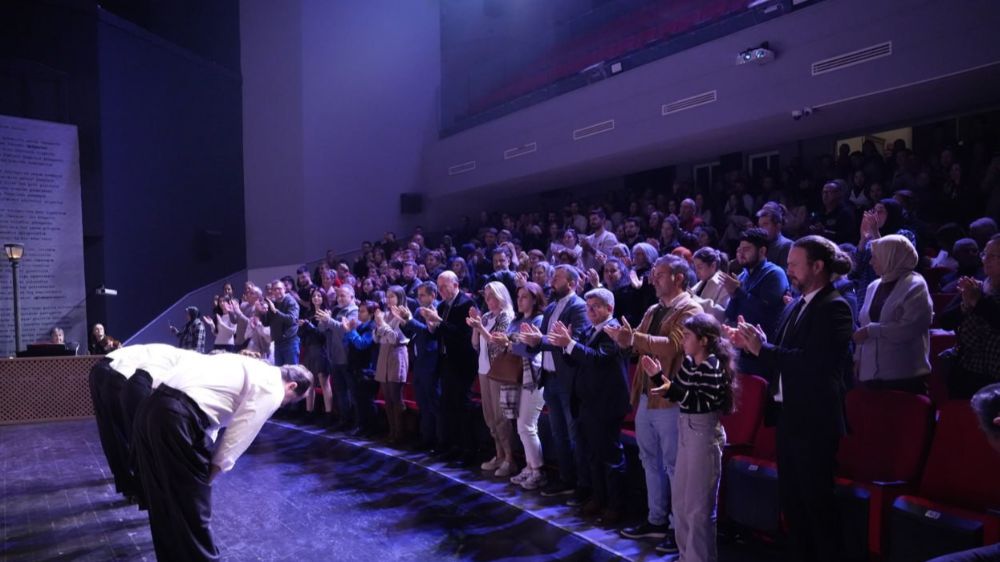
{"x":955,"y":505}
{"x":881,"y":458}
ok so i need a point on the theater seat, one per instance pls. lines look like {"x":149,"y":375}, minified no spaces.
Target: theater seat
{"x":880,"y":459}
{"x":741,"y":426}
{"x":937,"y":383}
{"x":955,"y":505}
{"x":751,"y":482}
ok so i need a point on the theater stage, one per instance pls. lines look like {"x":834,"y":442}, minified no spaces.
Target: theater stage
{"x":298,"y":494}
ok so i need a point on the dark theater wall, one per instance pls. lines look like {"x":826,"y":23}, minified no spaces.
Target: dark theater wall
{"x":160,"y":140}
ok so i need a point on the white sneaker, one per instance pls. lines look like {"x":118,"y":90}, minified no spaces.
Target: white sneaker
{"x":521,"y":476}
{"x":505,"y":470}
{"x":534,"y":481}
{"x":491,"y":464}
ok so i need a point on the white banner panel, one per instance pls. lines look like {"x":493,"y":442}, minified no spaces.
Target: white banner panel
{"x":40,"y":208}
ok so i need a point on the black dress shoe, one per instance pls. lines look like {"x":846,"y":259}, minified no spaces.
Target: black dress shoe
{"x":668,"y":545}
{"x":592,"y":508}
{"x":645,"y":530}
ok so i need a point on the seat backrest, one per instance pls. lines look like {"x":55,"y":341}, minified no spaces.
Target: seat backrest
{"x":962,"y":469}
{"x":741,"y":426}
{"x":765,"y":443}
{"x":890,"y":435}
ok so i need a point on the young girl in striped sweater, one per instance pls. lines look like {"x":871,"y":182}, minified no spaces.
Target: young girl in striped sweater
{"x":703,"y":388}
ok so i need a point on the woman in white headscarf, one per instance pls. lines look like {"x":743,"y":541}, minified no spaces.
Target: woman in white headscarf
{"x":892,"y":344}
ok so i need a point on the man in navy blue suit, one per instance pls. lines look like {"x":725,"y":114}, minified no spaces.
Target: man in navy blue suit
{"x":427,"y":380}
{"x":557,"y":378}
{"x":600,"y":403}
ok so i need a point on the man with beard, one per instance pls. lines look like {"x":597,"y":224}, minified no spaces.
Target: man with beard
{"x":806,"y":365}
{"x":557,"y":378}
{"x":757,"y":294}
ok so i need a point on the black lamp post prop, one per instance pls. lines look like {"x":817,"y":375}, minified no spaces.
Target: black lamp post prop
{"x":14,"y":253}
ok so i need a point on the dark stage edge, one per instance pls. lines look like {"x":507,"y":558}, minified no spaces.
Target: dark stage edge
{"x":297,"y":494}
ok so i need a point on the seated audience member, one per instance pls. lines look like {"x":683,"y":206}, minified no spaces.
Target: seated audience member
{"x":706,"y":237}
{"x":57,"y":336}
{"x":945,"y":237}
{"x":496,"y":320}
{"x":986,"y":406}
{"x":670,"y":232}
{"x":892,"y":344}
{"x":969,"y":264}
{"x":982,"y":229}
{"x":771,"y":218}
{"x":886,"y":217}
{"x":975,"y":317}
{"x":460,"y":267}
{"x":600,"y":393}
{"x":710,"y":292}
{"x":626,"y":287}
{"x":101,"y":343}
{"x":568,"y":242}
{"x":757,"y":294}
{"x":835,"y":221}
{"x":687,"y":215}
{"x":392,"y":362}
{"x":541,"y":274}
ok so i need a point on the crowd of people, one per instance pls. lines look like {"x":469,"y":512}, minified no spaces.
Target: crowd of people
{"x":817,"y":280}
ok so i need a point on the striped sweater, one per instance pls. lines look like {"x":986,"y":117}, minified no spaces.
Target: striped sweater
{"x":698,"y":389}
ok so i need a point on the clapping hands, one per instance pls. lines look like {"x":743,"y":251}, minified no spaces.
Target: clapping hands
{"x":623,"y":335}
{"x":559,"y":334}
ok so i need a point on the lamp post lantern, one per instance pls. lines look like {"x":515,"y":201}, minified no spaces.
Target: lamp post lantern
{"x":14,"y":253}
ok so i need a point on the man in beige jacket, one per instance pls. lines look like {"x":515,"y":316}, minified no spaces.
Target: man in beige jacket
{"x":660,"y":334}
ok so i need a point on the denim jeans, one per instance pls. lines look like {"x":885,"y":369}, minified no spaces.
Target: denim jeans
{"x":286,"y":352}
{"x":573,"y":468}
{"x":656,"y":435}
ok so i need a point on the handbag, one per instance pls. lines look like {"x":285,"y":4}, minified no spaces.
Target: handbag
{"x":507,"y":368}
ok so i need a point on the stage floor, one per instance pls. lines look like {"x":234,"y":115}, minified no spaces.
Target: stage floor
{"x":297,"y":494}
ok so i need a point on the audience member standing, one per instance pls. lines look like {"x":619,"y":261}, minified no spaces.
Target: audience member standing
{"x":192,"y":336}
{"x":710,"y":291}
{"x":427,"y":381}
{"x":557,"y":379}
{"x":807,"y":365}
{"x":457,"y":364}
{"x":703,"y":389}
{"x":660,"y":335}
{"x":335,"y":324}
{"x":975,"y":317}
{"x":601,"y":400}
{"x":758,"y":293}
{"x":497,"y":318}
{"x":282,"y":317}
{"x":393,"y":361}
{"x":892,"y":344}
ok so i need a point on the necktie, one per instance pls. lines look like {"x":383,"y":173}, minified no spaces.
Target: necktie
{"x":793,"y":318}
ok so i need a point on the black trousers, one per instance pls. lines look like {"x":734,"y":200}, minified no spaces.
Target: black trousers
{"x":456,"y":406}
{"x":174,"y":455}
{"x":133,"y":392}
{"x":599,"y":437}
{"x":806,"y":466}
{"x":105,"y":385}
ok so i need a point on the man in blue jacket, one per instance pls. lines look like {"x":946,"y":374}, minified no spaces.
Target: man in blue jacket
{"x":758,"y":293}
{"x":427,"y":380}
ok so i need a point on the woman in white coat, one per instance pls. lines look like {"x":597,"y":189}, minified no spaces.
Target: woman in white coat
{"x":709,"y":292}
{"x":892,"y":344}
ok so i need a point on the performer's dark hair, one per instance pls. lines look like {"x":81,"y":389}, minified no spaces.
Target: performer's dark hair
{"x":299,"y":375}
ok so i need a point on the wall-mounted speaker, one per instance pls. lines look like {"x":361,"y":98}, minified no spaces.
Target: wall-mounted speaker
{"x":411,"y":203}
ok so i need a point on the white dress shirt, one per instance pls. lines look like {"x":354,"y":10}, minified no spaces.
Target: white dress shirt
{"x":791,"y":322}
{"x":236,"y":392}
{"x":157,"y":359}
{"x":547,"y":362}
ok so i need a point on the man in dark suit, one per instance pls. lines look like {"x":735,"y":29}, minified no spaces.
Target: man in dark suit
{"x":807,"y":365}
{"x":457,"y":365}
{"x":557,"y":378}
{"x":426,"y":375}
{"x":600,"y":403}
